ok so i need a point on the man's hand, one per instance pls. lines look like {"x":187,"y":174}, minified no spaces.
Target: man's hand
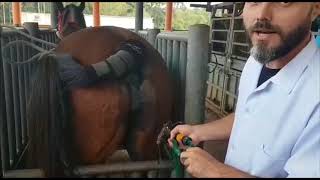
{"x":201,"y":164}
{"x":186,"y":130}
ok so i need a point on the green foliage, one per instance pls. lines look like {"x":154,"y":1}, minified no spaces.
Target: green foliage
{"x":117,"y":9}
{"x":156,"y":10}
{"x":36,"y":7}
{"x":183,"y":18}
{"x":88,"y":8}
{"x":5,"y":13}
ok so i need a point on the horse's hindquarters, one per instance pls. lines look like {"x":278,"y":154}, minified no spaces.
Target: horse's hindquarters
{"x":99,"y":124}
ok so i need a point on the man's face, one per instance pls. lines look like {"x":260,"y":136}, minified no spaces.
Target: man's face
{"x":275,"y":28}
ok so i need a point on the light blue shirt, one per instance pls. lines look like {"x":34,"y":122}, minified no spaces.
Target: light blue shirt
{"x":276,"y":132}
{"x":318,"y":40}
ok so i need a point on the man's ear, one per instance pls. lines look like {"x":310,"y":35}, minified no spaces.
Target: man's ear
{"x":315,"y":11}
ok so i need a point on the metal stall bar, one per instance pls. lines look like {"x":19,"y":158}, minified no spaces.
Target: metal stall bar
{"x":152,"y":35}
{"x":182,"y":76}
{"x":169,"y":55}
{"x":173,"y":48}
{"x":143,"y":34}
{"x":123,"y":167}
{"x":4,"y":146}
{"x":9,"y":103}
{"x":176,"y":79}
{"x":21,"y":94}
{"x":16,"y":91}
{"x":94,"y":170}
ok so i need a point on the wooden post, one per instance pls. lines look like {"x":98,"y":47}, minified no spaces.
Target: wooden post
{"x":168,"y":24}
{"x":96,"y":14}
{"x":16,"y":13}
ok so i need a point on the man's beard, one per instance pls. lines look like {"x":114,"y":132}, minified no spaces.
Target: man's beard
{"x":263,"y":54}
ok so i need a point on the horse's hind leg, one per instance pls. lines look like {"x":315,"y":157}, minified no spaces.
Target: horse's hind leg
{"x":142,"y":125}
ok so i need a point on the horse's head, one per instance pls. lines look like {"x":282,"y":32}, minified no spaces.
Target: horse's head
{"x":71,"y":18}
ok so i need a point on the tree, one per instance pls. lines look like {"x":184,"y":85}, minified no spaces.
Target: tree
{"x":5,"y":11}
{"x":117,"y":9}
{"x":157,"y":12}
{"x":183,"y":18}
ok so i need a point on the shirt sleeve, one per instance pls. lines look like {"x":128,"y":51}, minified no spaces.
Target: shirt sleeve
{"x":305,"y":156}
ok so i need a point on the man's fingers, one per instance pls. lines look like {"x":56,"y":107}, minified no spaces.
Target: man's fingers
{"x":173,"y":132}
{"x":185,"y":161}
{"x":184,"y":156}
{"x":190,"y":149}
{"x":170,"y":143}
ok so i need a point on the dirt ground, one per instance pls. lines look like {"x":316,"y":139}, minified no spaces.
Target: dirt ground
{"x":216,"y":148}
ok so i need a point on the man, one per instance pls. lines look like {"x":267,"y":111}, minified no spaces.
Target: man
{"x":275,"y":130}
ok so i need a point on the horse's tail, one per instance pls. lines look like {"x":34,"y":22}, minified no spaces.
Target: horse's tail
{"x":47,"y":117}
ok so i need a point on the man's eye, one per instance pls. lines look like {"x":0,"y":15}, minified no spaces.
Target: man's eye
{"x":285,"y":3}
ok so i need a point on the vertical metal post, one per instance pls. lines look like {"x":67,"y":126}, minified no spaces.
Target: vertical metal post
{"x":182,"y":75}
{"x":7,"y":76}
{"x":54,"y":16}
{"x":196,"y":73}
{"x":164,"y":49}
{"x":15,"y":91}
{"x":139,"y":16}
{"x":96,"y":14}
{"x":152,"y":35}
{"x":168,"y":24}
{"x":169,"y":55}
{"x":4,"y":146}
{"x":16,"y":13}
{"x":175,"y":71}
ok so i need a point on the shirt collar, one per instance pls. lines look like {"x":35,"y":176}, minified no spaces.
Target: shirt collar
{"x":287,"y":77}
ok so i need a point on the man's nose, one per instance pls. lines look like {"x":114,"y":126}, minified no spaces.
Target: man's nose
{"x":264,"y":11}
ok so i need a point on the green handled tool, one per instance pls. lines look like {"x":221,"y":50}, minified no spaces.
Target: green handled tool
{"x":174,"y":152}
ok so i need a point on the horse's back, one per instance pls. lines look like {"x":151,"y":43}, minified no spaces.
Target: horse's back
{"x":101,"y":122}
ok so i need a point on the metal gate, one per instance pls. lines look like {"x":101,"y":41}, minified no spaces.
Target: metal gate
{"x":230,"y":50}
{"x":14,"y":91}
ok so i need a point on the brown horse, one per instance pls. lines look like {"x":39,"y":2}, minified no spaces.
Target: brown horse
{"x":86,"y":125}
